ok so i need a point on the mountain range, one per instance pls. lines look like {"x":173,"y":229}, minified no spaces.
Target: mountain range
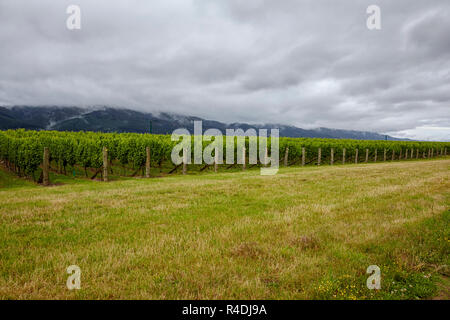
{"x":108,"y":119}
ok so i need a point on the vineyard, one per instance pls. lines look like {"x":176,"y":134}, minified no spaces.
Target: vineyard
{"x":128,"y":154}
{"x":307,"y":233}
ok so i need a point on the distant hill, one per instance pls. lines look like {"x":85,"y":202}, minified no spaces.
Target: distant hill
{"x":106,"y":119}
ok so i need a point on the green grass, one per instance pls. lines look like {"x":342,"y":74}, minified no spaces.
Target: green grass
{"x":9,"y":181}
{"x":302,"y":234}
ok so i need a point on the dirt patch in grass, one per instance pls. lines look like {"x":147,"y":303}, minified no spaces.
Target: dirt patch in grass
{"x":305,"y":242}
{"x":248,"y":250}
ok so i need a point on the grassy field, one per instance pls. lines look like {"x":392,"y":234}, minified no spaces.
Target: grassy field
{"x":302,"y":234}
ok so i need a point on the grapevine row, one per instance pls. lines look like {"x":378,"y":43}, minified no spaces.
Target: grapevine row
{"x":22,"y":150}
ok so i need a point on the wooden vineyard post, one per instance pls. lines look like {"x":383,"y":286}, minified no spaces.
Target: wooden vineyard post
{"x":356,"y":155}
{"x":46,"y":167}
{"x":147,"y":162}
{"x":417,"y":153}
{"x":286,"y":157}
{"x":393,"y":155}
{"x":216,"y":160}
{"x":406,"y":154}
{"x":445,"y":152}
{"x":343,"y":156}
{"x":184,"y":161}
{"x":384,"y":157}
{"x":432,"y":152}
{"x":429,"y":153}
{"x":423,"y":154}
{"x":303,"y":157}
{"x":332,"y":156}
{"x":105,"y":164}
{"x":244,"y":158}
{"x":367,"y":155}
{"x":319,"y":156}
{"x":376,"y":155}
{"x":266,"y":157}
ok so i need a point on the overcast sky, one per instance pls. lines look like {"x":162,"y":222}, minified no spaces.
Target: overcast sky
{"x":307,"y":63}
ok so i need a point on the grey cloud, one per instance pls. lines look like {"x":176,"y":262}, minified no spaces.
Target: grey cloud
{"x":430,"y":33}
{"x":308,"y":63}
